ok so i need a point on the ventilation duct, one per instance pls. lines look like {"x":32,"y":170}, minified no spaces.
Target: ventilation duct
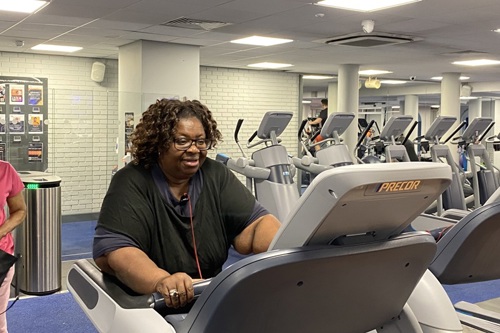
{"x":188,"y":23}
{"x":370,"y":40}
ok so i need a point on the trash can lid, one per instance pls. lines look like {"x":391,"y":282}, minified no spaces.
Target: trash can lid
{"x":36,"y":179}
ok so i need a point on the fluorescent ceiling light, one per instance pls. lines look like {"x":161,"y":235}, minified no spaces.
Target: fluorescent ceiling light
{"x":306,"y":102}
{"x":272,"y":65}
{"x":468,"y":97}
{"x":22,"y":6}
{"x":439,"y":78}
{"x":261,"y":41}
{"x":317,"y":77}
{"x":373,"y":72}
{"x":435,"y":106}
{"x":393,"y":81}
{"x":56,"y":48}
{"x":477,"y":62}
{"x":364,"y":5}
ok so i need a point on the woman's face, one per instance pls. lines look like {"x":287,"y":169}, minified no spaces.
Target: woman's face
{"x":177,"y":164}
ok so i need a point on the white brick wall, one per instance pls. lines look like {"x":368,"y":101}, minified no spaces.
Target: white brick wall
{"x":83,"y":116}
{"x":237,"y":93}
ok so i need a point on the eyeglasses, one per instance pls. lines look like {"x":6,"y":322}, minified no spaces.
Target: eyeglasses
{"x":184,"y":144}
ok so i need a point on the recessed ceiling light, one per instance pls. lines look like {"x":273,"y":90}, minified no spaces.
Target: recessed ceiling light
{"x":22,"y":6}
{"x":272,"y":65}
{"x":477,"y":62}
{"x":56,"y":48}
{"x":364,"y":5}
{"x":393,"y":81}
{"x":373,"y":72}
{"x":261,"y":41}
{"x":439,"y":78}
{"x":317,"y":77}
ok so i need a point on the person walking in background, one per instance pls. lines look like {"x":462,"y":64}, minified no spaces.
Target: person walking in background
{"x":11,"y":188}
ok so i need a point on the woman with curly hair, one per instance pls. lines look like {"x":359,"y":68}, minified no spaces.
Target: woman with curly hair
{"x":172,"y":214}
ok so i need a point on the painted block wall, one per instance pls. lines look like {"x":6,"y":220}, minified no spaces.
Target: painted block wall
{"x":82,"y":123}
{"x":232,"y":94}
{"x":83,"y":116}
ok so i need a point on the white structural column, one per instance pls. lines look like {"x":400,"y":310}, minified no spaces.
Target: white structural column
{"x":153,"y":70}
{"x":333,"y":97}
{"x":450,"y":95}
{"x":450,"y":102}
{"x":411,"y":109}
{"x":348,"y":100}
{"x":475,"y":108}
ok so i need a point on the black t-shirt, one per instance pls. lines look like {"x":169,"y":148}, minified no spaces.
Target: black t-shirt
{"x":134,"y":207}
{"x":323,"y":115}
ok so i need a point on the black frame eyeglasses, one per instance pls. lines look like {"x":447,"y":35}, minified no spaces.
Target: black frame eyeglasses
{"x":184,"y":144}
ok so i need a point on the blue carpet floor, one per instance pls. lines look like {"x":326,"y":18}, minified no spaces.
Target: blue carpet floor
{"x":473,"y":292}
{"x":57,"y":313}
{"x":76,"y":240}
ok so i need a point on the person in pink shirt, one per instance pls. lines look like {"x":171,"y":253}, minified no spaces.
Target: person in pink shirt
{"x":11,"y":188}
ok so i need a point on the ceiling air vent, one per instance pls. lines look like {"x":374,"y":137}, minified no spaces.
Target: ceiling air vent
{"x":188,"y":23}
{"x":370,"y":40}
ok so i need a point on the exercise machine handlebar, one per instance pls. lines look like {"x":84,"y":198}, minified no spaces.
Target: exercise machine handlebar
{"x":157,"y":301}
{"x":236,"y":132}
{"x":486,"y":131}
{"x":409,"y":132}
{"x":455,"y":131}
{"x":364,"y":134}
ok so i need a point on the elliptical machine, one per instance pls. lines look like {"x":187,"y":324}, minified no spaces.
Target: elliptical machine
{"x":454,"y":197}
{"x":484,"y":178}
{"x":269,"y":173}
{"x":386,"y":144}
{"x":332,"y":153}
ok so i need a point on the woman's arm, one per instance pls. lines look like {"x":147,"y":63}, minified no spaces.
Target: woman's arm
{"x":135,"y":269}
{"x":258,"y":235}
{"x":17,"y":213}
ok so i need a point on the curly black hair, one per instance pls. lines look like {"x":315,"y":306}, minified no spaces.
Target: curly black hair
{"x":156,"y":130}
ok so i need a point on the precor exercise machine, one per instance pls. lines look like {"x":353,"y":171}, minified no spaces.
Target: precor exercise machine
{"x":268,"y":172}
{"x":484,"y":179}
{"x":453,"y":197}
{"x":339,"y":263}
{"x":332,"y":151}
{"x":393,"y":129}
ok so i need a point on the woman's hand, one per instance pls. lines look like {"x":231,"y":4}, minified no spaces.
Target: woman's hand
{"x":177,"y":290}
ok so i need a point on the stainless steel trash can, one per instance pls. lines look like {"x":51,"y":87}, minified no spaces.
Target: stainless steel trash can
{"x":38,"y":239}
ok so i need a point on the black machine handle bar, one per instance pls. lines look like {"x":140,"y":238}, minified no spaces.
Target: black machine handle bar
{"x":158,"y":302}
{"x":252,"y":137}
{"x":409,"y":132}
{"x":365,"y":132}
{"x":486,"y":131}
{"x":301,"y":128}
{"x":237,"y":129}
{"x":455,"y":131}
